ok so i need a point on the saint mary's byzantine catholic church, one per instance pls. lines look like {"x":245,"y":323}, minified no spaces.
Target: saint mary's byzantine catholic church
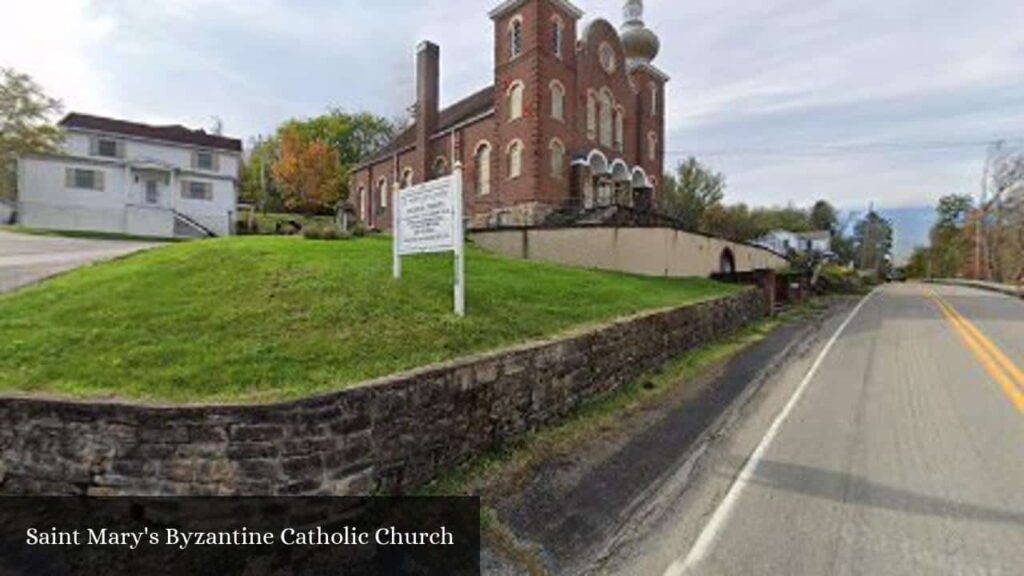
{"x":572,"y":126}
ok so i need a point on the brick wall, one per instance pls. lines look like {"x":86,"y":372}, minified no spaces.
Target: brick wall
{"x":390,"y":434}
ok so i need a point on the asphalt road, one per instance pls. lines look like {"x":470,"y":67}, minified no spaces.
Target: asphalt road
{"x":895,"y":448}
{"x":26,"y":259}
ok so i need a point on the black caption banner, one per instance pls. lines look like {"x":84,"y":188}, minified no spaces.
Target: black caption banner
{"x":239,"y":536}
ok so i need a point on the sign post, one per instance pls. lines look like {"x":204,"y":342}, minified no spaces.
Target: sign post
{"x":428,"y":219}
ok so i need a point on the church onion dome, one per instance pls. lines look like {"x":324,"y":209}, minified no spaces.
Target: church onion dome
{"x":640,"y":43}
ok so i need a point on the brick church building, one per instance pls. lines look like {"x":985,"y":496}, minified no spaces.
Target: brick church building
{"x":572,"y":127}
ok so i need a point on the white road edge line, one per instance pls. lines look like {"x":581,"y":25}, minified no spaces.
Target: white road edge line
{"x":710,"y":532}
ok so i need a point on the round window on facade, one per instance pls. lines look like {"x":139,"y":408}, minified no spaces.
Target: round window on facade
{"x":607,"y":55}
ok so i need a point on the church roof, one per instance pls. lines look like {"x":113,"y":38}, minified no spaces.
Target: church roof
{"x":469,"y":107}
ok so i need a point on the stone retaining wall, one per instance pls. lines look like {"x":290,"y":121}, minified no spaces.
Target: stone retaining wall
{"x":391,"y":434}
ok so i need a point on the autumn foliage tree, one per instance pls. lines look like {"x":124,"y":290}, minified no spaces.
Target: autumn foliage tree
{"x":308,"y":173}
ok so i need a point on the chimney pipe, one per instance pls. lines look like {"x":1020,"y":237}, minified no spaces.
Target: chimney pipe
{"x":428,"y":88}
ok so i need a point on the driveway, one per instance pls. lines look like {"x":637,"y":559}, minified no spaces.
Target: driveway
{"x":26,"y":259}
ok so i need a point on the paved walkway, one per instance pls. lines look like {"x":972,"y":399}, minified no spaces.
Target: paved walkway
{"x":26,"y":259}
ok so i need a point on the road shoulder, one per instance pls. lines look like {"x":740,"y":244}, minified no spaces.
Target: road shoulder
{"x":586,"y":497}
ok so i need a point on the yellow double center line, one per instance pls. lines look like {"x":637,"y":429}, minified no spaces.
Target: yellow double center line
{"x":1009,"y":376}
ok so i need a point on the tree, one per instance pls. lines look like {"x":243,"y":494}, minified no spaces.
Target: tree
{"x":25,"y":126}
{"x":691,"y":191}
{"x":953,"y":210}
{"x":308,"y":173}
{"x":950,"y":244}
{"x":257,"y":185}
{"x":919,"y":264}
{"x":824,"y":217}
{"x":873,"y":239}
{"x":353,"y":136}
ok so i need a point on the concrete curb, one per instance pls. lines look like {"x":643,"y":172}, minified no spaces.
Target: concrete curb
{"x":987,"y":286}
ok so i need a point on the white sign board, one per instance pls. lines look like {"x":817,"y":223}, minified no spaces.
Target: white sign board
{"x":428,"y":218}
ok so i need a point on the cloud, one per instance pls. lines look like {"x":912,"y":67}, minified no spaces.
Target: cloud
{"x":49,"y":39}
{"x":794,"y":99}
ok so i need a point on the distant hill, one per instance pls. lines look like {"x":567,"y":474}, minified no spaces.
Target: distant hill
{"x":911,"y":226}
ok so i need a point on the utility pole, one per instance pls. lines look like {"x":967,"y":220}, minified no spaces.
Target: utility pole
{"x":979,"y":233}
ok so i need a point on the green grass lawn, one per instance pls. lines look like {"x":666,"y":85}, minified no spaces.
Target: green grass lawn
{"x":271,"y":318}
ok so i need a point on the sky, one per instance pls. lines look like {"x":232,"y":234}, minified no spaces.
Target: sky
{"x":855,"y":101}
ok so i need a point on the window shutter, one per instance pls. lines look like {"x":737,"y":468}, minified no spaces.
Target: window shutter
{"x":195,"y":159}
{"x":120,"y":148}
{"x":97,"y":180}
{"x":216,"y":161}
{"x":69,"y":177}
{"x":184,"y":188}
{"x":94,"y":146}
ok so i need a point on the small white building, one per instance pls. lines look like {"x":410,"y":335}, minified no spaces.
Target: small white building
{"x":786,"y":242}
{"x":130,"y":178}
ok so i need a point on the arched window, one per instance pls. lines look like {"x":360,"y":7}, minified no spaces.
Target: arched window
{"x":557,"y":32}
{"x":652,"y":146}
{"x":591,"y":116}
{"x":406,"y":178}
{"x":515,"y":159}
{"x":515,"y":100}
{"x":440,"y":166}
{"x":362,"y":203}
{"x":607,"y":106}
{"x":482,"y":160}
{"x":620,"y":123}
{"x":557,"y":100}
{"x":557,"y":158}
{"x":515,"y":38}
{"x":654,"y":99}
{"x":382,"y":193}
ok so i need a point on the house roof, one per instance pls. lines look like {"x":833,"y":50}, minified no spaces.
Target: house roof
{"x":816,"y":235}
{"x":469,"y":107}
{"x":171,"y":133}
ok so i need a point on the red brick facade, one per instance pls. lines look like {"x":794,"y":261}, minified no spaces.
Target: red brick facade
{"x":601,"y":145}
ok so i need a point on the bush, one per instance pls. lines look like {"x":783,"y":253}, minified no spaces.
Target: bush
{"x":839,"y":280}
{"x":324,"y":233}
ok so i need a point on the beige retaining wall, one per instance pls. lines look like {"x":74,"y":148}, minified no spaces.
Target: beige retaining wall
{"x":388,"y":435}
{"x":644,"y":251}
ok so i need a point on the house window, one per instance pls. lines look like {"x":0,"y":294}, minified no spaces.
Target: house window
{"x":83,"y":179}
{"x":557,"y":100}
{"x":515,"y":38}
{"x":515,"y":101}
{"x":591,"y":116}
{"x":619,"y":129}
{"x":362,"y":203}
{"x":193,"y":190}
{"x":654,"y":99}
{"x":482,"y":159}
{"x":440,"y":166}
{"x":515,"y":159}
{"x":107,"y":148}
{"x":652,"y":146}
{"x":607,"y":107}
{"x":406,"y":180}
{"x":557,"y":158}
{"x":557,"y":32}
{"x":205,"y":160}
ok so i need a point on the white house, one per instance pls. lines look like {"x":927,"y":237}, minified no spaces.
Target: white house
{"x":784,"y":242}
{"x":131,"y":178}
